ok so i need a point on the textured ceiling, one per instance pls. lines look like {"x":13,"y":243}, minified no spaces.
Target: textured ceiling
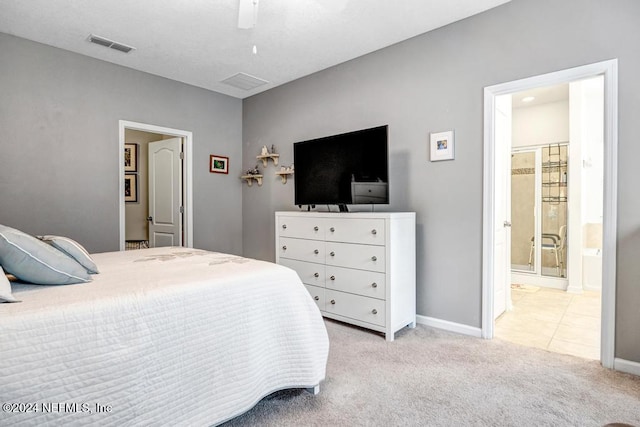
{"x":198,"y":42}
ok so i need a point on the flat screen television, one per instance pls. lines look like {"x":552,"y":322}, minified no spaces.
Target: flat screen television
{"x":347,"y":169}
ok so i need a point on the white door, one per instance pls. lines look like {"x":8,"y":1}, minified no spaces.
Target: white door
{"x":165,"y":193}
{"x":502,"y":240}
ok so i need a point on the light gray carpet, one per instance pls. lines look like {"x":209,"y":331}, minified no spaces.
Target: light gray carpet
{"x":429,"y":377}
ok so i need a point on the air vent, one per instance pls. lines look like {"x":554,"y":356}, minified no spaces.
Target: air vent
{"x":244,"y":81}
{"x":110,"y":43}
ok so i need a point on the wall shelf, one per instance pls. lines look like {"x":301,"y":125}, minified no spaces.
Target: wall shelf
{"x":251,"y":178}
{"x":265,"y":159}
{"x":284,"y":174}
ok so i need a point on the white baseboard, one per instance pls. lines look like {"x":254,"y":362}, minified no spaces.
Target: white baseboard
{"x":626,"y":366}
{"x":449,"y":326}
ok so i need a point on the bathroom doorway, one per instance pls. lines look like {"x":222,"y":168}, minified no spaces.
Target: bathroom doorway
{"x":556,"y":215}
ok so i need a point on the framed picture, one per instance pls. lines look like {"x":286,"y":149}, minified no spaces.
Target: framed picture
{"x":131,"y":188}
{"x":131,"y":157}
{"x":442,"y":146}
{"x":218,"y":164}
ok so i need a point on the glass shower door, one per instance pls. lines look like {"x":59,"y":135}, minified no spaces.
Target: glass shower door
{"x":523,"y":208}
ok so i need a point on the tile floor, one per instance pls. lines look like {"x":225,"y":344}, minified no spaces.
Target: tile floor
{"x":553,"y":320}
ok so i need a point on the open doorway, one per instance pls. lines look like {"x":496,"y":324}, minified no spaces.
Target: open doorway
{"x":496,"y":203}
{"x":556,"y":178}
{"x":154,"y":158}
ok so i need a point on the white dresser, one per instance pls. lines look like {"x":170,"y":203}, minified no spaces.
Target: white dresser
{"x":359,"y":267}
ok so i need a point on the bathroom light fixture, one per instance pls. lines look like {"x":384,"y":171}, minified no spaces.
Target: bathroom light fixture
{"x":528,"y":98}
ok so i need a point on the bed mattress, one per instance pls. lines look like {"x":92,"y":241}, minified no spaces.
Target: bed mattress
{"x":163,"y":336}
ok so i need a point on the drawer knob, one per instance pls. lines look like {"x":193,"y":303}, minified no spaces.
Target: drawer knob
{"x":333,"y":301}
{"x":374,"y":285}
{"x":332,"y":253}
{"x":316,"y":275}
{"x":316,"y":252}
{"x":284,"y":248}
{"x":316,"y":228}
{"x":333,"y":277}
{"x":284,"y":226}
{"x":374,"y":311}
{"x":317,"y":298}
{"x":374,"y":258}
{"x":374,"y":231}
{"x":332,"y":229}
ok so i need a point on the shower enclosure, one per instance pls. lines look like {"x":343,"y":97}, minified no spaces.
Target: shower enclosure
{"x":539,"y":210}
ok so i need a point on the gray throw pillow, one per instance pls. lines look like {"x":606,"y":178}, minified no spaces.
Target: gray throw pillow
{"x":33,"y":261}
{"x":74,"y":249}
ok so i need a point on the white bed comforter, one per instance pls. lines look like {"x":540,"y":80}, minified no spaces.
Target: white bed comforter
{"x":165,"y":336}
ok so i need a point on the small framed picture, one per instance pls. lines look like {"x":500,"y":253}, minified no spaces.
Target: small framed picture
{"x":218,"y":164}
{"x":131,"y":157}
{"x":442,"y":146}
{"x":131,"y":188}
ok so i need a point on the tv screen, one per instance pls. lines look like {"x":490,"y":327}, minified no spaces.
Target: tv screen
{"x":346,"y":169}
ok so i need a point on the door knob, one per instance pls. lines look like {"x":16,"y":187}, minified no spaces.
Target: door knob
{"x":149,"y":218}
{"x":507,"y":224}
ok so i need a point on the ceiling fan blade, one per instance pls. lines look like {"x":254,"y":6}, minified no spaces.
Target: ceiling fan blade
{"x":247,"y":14}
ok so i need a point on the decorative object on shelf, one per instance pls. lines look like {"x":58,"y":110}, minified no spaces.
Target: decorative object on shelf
{"x":218,"y":164}
{"x":442,"y":146}
{"x":254,"y":171}
{"x":284,"y":172}
{"x":252,"y":174}
{"x":131,"y":188}
{"x":130,"y":157}
{"x":265,"y":155}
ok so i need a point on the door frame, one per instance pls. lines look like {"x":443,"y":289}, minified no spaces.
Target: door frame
{"x":609,"y":69}
{"x":187,"y":174}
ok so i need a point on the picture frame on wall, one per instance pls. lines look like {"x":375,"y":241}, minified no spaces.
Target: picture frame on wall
{"x":218,"y":164}
{"x":442,"y":146}
{"x":130,"y":157}
{"x":131,"y":188}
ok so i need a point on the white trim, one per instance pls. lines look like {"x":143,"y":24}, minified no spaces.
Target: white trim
{"x":187,"y":174}
{"x":627,"y":366}
{"x":458,"y":328}
{"x":610,"y":71}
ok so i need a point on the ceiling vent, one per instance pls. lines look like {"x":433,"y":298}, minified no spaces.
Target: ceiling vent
{"x":244,"y":81}
{"x":110,"y":43}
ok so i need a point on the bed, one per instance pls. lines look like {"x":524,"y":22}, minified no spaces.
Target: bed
{"x":163,"y":336}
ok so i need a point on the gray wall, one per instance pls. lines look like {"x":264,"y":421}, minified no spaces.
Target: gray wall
{"x":59,"y":115}
{"x":433,"y":83}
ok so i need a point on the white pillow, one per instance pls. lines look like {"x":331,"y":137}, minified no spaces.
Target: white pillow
{"x":5,"y":288}
{"x":34,"y":261}
{"x":74,"y":249}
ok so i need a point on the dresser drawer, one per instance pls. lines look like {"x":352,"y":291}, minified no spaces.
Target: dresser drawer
{"x":318,"y":295}
{"x":302,"y":250}
{"x":366,"y":231}
{"x":367,"y":283}
{"x":362,"y":257}
{"x":303,"y":228}
{"x":309,"y":272}
{"x":357,"y":307}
